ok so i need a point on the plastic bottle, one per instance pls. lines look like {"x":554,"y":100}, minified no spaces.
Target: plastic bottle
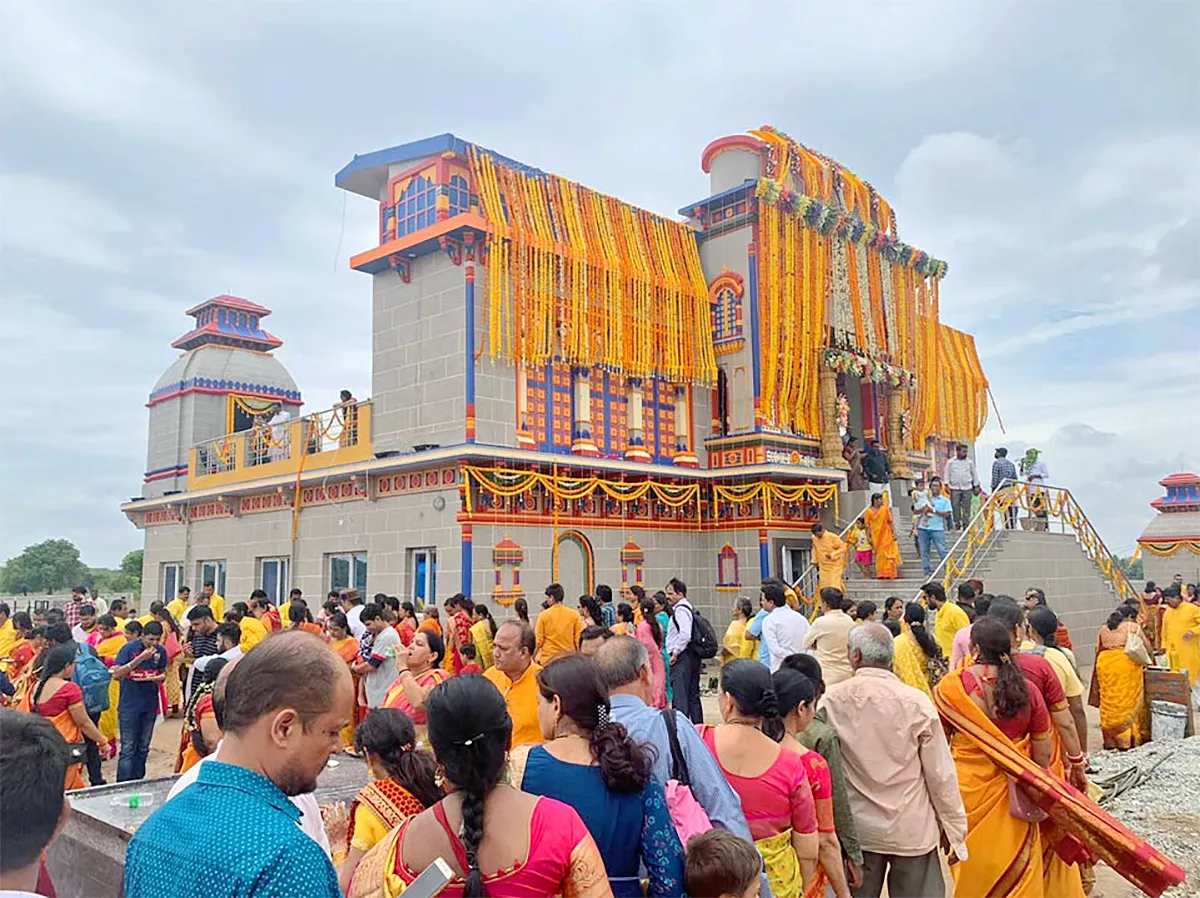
{"x":133,"y":801}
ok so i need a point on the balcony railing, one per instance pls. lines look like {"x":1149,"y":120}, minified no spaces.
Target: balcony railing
{"x":336,"y":436}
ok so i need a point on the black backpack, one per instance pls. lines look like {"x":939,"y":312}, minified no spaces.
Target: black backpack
{"x":704,"y":638}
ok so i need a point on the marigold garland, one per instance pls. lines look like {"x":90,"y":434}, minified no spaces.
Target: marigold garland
{"x":579,"y":275}
{"x":961,"y":410}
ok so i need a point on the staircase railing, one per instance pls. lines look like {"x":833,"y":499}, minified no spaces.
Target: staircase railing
{"x":1043,"y":504}
{"x":805,"y":586}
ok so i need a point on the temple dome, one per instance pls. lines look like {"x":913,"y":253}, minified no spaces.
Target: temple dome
{"x":227,"y":369}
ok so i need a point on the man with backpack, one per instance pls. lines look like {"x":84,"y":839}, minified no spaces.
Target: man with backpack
{"x":690,"y":640}
{"x":92,"y":678}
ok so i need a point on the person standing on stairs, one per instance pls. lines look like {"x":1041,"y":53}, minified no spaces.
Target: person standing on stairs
{"x":963,"y":481}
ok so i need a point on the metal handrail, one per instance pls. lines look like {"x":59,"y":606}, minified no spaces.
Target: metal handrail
{"x":307,"y":434}
{"x":811,"y":575}
{"x":1064,"y":507}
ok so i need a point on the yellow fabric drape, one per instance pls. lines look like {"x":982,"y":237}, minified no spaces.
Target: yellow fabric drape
{"x":1121,"y":682}
{"x":782,"y":865}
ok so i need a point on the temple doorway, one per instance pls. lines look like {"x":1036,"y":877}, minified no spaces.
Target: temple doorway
{"x":575,"y":567}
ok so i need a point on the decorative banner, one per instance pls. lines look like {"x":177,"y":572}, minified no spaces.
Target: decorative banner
{"x":1165,"y":549}
{"x":585,"y":277}
{"x":961,"y":409}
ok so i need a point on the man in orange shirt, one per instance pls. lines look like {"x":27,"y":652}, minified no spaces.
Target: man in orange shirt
{"x":559,"y":628}
{"x":514,"y":673}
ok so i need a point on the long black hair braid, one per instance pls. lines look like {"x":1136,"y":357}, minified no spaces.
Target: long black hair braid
{"x":56,"y":661}
{"x":469,"y":729}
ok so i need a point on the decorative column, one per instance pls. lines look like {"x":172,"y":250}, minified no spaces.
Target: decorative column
{"x":466,"y":560}
{"x":831,"y":439}
{"x":684,"y":457}
{"x":764,"y":555}
{"x":636,"y":450}
{"x":756,"y":360}
{"x":470,"y":349}
{"x":524,"y":437}
{"x":897,"y":453}
{"x":583,"y":444}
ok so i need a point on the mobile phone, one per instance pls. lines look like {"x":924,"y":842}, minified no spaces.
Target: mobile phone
{"x":432,"y":880}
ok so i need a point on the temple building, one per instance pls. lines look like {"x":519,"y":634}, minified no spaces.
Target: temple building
{"x":1170,"y":544}
{"x":566,"y":387}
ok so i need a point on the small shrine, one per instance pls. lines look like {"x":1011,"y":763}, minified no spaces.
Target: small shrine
{"x":1170,"y":544}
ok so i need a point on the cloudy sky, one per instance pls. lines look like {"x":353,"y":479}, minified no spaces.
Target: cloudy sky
{"x":154,"y":155}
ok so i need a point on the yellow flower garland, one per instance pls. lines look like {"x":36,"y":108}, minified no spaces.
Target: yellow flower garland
{"x":588,"y":278}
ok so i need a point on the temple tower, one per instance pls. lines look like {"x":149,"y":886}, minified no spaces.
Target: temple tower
{"x":225,"y":376}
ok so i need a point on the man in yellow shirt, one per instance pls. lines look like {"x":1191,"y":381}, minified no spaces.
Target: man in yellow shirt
{"x":214,"y":600}
{"x":178,"y":606}
{"x":559,"y":628}
{"x":948,"y":619}
{"x":1181,"y":633}
{"x":8,"y":633}
{"x":253,"y":631}
{"x":514,"y":673}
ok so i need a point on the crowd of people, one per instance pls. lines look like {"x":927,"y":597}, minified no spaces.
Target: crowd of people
{"x":865,"y":748}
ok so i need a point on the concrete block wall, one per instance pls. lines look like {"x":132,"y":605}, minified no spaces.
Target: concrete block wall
{"x":1054,"y":562}
{"x":386,"y":530}
{"x":419,"y":352}
{"x":730,"y":251}
{"x":1161,"y":570}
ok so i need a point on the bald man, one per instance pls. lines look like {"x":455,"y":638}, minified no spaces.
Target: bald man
{"x":282,"y":708}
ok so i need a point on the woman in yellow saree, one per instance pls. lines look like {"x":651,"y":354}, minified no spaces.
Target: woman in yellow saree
{"x":108,"y":643}
{"x":1118,"y":682}
{"x":878,"y":518}
{"x":1000,"y":776}
{"x":829,"y":553}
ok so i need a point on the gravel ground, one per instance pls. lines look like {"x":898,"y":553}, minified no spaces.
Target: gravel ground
{"x":1165,"y":809}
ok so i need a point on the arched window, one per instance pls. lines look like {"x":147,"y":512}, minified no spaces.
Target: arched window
{"x":727,"y":569}
{"x":415,"y":207}
{"x":460,"y":195}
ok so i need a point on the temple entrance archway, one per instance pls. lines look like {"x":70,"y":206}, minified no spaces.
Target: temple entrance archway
{"x":575,"y":569}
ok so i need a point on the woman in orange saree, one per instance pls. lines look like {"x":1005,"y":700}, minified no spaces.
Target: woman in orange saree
{"x":346,"y":647}
{"x":1009,"y":861}
{"x":61,"y":702}
{"x":878,"y":518}
{"x":1118,"y":682}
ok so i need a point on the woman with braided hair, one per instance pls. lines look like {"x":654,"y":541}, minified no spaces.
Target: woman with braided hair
{"x":497,"y":839}
{"x":403,"y":783}
{"x":771,"y":781}
{"x":592,"y":763}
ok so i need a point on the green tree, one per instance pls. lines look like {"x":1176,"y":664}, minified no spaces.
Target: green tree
{"x":45,"y":567}
{"x":131,"y":566}
{"x":1133,"y":568}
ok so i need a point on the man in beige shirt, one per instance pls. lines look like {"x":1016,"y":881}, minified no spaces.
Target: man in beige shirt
{"x":901,"y":779}
{"x":827,"y":638}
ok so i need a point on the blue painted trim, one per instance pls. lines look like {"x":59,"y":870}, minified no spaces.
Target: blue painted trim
{"x":465,"y":587}
{"x":746,"y":186}
{"x":229,"y":385}
{"x":764,"y":560}
{"x":406,"y":152}
{"x":470,"y":352}
{"x":755,"y":336}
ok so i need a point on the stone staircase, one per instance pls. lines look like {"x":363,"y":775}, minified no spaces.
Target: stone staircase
{"x":1010,"y":562}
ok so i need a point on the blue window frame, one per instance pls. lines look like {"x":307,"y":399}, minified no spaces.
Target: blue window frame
{"x":460,"y":195}
{"x":415,"y":207}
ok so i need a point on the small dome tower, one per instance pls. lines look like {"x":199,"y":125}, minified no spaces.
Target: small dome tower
{"x":224,"y":377}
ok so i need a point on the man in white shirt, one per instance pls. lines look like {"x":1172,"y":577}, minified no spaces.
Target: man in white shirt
{"x":828,"y":637}
{"x":783,"y":630}
{"x":352,"y":604}
{"x":685,"y":662}
{"x":962,"y":480}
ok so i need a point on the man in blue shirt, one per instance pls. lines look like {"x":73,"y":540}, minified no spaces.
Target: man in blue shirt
{"x":625,"y":665}
{"x":754,"y":628}
{"x":932,"y":511}
{"x":285,"y":705}
{"x":140,"y":667}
